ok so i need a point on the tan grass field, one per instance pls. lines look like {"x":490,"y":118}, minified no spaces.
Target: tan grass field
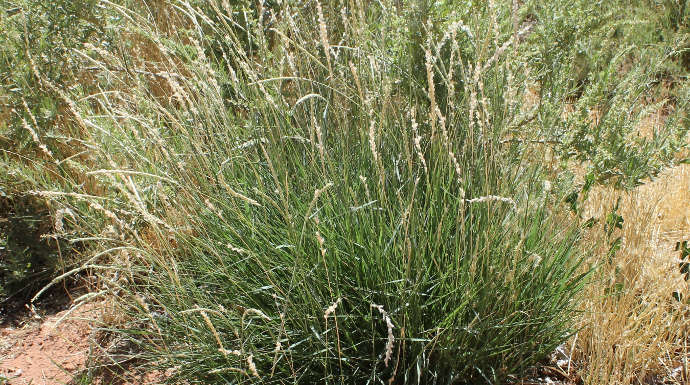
{"x":634,"y":336}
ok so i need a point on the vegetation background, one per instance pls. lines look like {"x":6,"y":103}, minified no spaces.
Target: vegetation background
{"x":354,"y":192}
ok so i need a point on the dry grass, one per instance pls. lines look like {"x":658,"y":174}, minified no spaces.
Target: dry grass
{"x":633,"y":331}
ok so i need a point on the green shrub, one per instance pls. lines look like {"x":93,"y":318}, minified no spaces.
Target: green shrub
{"x":610,"y":68}
{"x":37,"y":64}
{"x":37,"y":61}
{"x":27,"y":259}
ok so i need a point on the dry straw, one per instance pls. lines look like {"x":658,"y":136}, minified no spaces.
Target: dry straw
{"x":331,"y":309}
{"x":59,"y":216}
{"x":491,"y":198}
{"x":389,"y":325}
{"x":323,"y":34}
{"x":418,"y":142}
{"x":429,"y":64}
{"x":632,"y":328}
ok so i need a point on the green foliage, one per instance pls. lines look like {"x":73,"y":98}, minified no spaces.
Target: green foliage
{"x":38,"y":61}
{"x":608,"y":65}
{"x":348,"y":193}
{"x":38,"y":40}
{"x":433,"y":243}
{"x":27,"y":259}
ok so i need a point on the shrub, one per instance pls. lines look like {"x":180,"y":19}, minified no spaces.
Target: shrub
{"x":27,"y":259}
{"x":599,"y":76}
{"x":37,"y":65}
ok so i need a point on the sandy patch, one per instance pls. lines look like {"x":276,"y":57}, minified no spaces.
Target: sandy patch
{"x":45,"y":352}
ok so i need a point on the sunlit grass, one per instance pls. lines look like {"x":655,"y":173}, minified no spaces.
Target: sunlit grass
{"x":357,"y":193}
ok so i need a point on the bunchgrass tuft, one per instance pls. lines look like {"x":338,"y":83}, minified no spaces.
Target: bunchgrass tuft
{"x":330,"y":231}
{"x":358,"y":193}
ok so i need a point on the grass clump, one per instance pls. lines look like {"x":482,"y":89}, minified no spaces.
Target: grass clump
{"x":329,"y":223}
{"x":314,"y":192}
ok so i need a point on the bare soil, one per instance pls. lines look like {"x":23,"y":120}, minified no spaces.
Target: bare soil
{"x":55,"y":349}
{"x":46,"y":350}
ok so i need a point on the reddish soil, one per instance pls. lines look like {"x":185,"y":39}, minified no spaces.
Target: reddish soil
{"x":43,"y":352}
{"x":50,"y":350}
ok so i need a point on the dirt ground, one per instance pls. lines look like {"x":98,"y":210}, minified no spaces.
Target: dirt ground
{"x":45,"y":351}
{"x":54,"y":349}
